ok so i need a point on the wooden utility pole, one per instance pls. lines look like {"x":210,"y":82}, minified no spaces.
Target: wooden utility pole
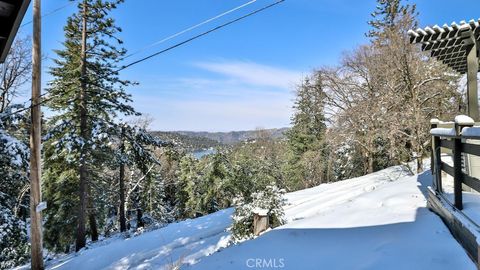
{"x":35,"y":144}
{"x":82,"y":209}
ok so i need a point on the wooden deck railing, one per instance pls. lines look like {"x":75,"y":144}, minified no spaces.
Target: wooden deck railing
{"x":456,"y":137}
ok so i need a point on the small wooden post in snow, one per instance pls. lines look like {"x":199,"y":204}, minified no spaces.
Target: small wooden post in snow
{"x":260,"y":221}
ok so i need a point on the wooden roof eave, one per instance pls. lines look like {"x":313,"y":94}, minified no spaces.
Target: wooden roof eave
{"x":11,"y":16}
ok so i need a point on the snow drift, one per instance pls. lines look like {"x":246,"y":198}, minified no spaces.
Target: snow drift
{"x":378,"y":221}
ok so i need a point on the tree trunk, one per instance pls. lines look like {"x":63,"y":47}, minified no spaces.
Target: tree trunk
{"x":419,"y":151}
{"x":139,"y":218}
{"x":419,"y":164}
{"x":92,"y":222}
{"x":370,"y":162}
{"x":81,"y":242}
{"x":123,"y":221}
{"x":93,"y":226}
{"x":369,"y":155}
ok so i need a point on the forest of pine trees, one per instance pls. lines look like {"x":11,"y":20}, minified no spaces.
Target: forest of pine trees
{"x":104,"y":173}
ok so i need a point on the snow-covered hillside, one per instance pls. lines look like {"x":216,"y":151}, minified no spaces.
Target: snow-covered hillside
{"x":379,"y":221}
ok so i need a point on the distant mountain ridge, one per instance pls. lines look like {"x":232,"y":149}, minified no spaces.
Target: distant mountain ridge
{"x":197,"y":140}
{"x":189,"y":143}
{"x":233,"y":137}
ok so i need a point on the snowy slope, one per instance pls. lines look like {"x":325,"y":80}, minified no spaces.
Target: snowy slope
{"x":384,"y":225}
{"x":379,"y":221}
{"x":160,"y":249}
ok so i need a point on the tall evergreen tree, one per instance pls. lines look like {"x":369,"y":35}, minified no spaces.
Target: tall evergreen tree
{"x":306,"y":138}
{"x":387,"y":15}
{"x":204,"y":185}
{"x":213,"y":185}
{"x":186,"y":195}
{"x":14,"y":184}
{"x":256,"y":164}
{"x":136,"y":152}
{"x":86,"y":94}
{"x":170,"y":158}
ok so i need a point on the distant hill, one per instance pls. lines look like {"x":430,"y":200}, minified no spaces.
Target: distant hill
{"x":193,"y":140}
{"x":233,"y":137}
{"x":189,"y":143}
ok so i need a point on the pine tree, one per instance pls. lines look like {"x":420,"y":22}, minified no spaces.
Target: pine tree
{"x":169,"y":171}
{"x":153,"y":200}
{"x":186,"y":195}
{"x":387,"y":15}
{"x":204,"y":185}
{"x":245,"y":175}
{"x":86,"y":95}
{"x":136,"y":153}
{"x":256,"y":164}
{"x":306,"y":138}
{"x":14,"y":182}
{"x":213,"y":184}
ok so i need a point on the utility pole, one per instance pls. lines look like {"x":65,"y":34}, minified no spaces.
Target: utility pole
{"x":35,"y":143}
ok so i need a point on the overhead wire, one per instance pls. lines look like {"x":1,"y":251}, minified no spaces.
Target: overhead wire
{"x":189,"y":29}
{"x":50,"y":13}
{"x":159,"y":52}
{"x":201,"y":35}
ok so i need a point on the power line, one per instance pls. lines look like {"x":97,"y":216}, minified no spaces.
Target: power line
{"x":165,"y":50}
{"x":200,"y":35}
{"x":50,"y":12}
{"x":189,"y":29}
{"x":160,"y":52}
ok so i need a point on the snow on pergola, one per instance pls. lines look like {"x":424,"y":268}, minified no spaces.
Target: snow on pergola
{"x":457,"y":46}
{"x":11,"y":15}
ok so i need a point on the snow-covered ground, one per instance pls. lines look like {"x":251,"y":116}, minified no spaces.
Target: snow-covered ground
{"x":378,"y":221}
{"x":184,"y":242}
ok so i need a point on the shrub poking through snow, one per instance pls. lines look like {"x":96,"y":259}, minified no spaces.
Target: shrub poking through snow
{"x":271,"y":200}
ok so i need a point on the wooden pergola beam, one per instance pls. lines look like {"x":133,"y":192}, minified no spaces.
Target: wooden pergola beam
{"x":447,"y":58}
{"x":452,"y":46}
{"x":457,"y":46}
{"x":447,"y":51}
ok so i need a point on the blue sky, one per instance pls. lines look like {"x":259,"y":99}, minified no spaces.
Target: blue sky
{"x":243,"y":76}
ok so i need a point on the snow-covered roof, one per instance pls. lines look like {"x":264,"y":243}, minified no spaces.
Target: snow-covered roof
{"x":448,"y":43}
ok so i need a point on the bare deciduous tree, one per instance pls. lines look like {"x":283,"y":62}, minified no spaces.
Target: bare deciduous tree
{"x":383,"y":95}
{"x":15,"y":72}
